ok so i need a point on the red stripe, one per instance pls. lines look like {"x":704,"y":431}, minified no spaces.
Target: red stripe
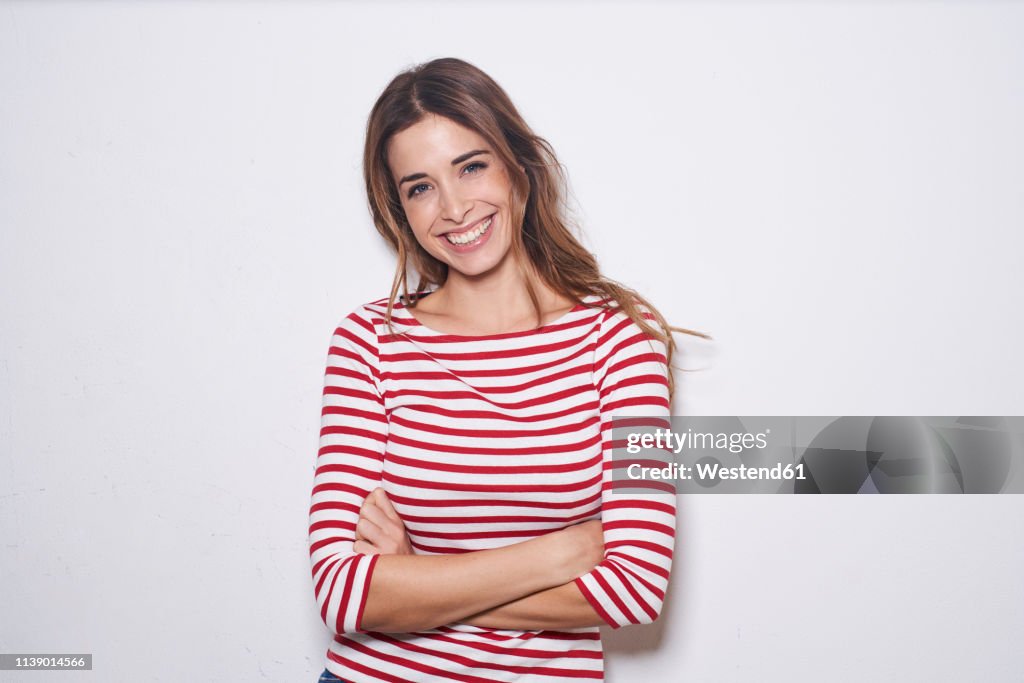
{"x":331,"y":524}
{"x":494,"y":469}
{"x":612,"y":595}
{"x":628,"y":585}
{"x":490,"y":488}
{"x":351,"y":450}
{"x":640,"y":505}
{"x":353,"y":393}
{"x":516,"y":405}
{"x":361,"y":668}
{"x":334,"y":505}
{"x":491,"y":354}
{"x":645,"y":545}
{"x":346,"y":595}
{"x":497,"y":519}
{"x":463,"y":535}
{"x":490,"y":502}
{"x":639,"y":380}
{"x":629,"y":487}
{"x":366,"y":591}
{"x":647,"y":401}
{"x":350,"y":412}
{"x":330,"y":590}
{"x":643,"y":564}
{"x":428,"y":447}
{"x":320,"y":488}
{"x":639,"y":524}
{"x":520,"y":651}
{"x":349,"y":430}
{"x":490,"y":414}
{"x":623,"y":563}
{"x":496,"y":389}
{"x":466,"y":661}
{"x":528,"y":635}
{"x":352,"y":337}
{"x":563,"y":359}
{"x":412,"y":664}
{"x":448,"y":430}
{"x":595,"y":603}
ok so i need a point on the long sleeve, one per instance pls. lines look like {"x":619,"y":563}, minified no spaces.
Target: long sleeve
{"x":353,"y":435}
{"x":628,"y":586}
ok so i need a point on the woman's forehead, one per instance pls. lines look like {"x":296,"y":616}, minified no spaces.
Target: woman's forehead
{"x":432,"y":139}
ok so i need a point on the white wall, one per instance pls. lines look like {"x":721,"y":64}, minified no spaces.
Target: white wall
{"x":833,"y":190}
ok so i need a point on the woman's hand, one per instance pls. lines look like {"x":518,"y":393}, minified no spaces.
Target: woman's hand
{"x":581,"y":547}
{"x":380,"y":531}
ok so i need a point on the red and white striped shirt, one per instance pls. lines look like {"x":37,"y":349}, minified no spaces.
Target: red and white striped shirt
{"x":480,"y":442}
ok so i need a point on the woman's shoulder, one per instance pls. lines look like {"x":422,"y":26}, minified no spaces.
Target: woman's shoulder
{"x":364,"y":317}
{"x":372,"y":317}
{"x":613,"y":312}
{"x":376,"y":308}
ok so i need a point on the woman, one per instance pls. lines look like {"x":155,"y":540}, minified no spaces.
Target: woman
{"x":463,"y":525}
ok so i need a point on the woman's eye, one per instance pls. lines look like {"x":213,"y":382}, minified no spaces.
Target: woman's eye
{"x":417,"y":189}
{"x":474,"y":167}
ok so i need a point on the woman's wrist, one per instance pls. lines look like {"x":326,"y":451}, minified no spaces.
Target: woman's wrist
{"x":573,"y":551}
{"x":555,"y":553}
{"x":560,"y":607}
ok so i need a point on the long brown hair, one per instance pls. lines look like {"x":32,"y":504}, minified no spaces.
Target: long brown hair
{"x":466,"y":95}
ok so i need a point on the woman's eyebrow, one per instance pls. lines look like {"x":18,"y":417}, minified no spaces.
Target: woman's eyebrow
{"x":455,"y":162}
{"x":468,"y":155}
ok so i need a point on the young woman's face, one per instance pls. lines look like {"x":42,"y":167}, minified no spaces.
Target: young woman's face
{"x":455,"y":192}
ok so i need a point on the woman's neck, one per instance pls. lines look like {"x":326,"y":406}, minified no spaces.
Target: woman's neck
{"x":491,"y":305}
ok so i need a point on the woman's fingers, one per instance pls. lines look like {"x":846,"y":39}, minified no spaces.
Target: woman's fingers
{"x":378,"y":501}
{"x":392,"y":538}
{"x":380,"y":525}
{"x":359,"y":536}
{"x":368,"y":502}
{"x":381,"y":498}
{"x":365,"y":548}
{"x":368,"y":531}
{"x":377,"y":516}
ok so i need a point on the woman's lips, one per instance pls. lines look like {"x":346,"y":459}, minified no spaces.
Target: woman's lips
{"x":467,"y":228}
{"x":465,"y":248}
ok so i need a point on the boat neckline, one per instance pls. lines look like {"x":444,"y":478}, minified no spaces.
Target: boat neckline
{"x":420,"y":326}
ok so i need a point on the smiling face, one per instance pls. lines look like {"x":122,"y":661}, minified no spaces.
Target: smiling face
{"x":456,"y":193}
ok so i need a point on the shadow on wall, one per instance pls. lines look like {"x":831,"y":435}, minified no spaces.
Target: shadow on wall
{"x":648,"y":639}
{"x":693,"y":361}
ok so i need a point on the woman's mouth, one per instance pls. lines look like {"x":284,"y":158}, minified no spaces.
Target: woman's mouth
{"x":470,"y":238}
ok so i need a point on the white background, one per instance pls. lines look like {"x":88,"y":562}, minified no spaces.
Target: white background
{"x":833,"y":190}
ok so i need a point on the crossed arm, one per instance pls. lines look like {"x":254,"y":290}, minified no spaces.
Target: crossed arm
{"x":365,"y":575}
{"x":525,"y":586}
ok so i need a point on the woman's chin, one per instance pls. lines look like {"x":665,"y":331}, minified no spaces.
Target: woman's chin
{"x":479,"y":264}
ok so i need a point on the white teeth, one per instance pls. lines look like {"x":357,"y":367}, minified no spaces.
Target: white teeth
{"x":469,"y":236}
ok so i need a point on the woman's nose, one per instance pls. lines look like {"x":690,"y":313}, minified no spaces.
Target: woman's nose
{"x":454,"y":206}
